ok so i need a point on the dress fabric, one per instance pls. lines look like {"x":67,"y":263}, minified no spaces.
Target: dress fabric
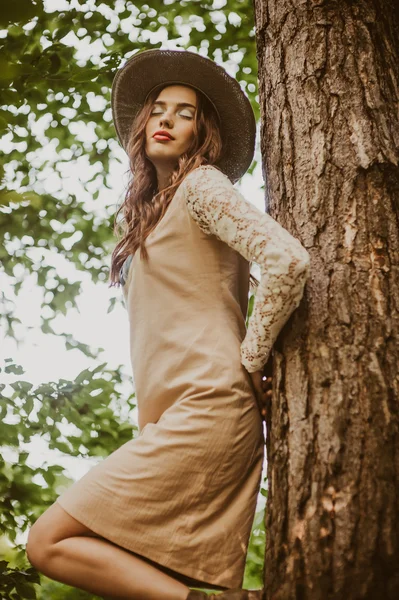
{"x":183,"y":493}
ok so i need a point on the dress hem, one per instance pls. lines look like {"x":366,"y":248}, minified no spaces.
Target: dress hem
{"x":204,"y":579}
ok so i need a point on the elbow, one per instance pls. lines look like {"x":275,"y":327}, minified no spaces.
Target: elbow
{"x":304,"y":267}
{"x":299,"y":264}
{"x":305,"y":262}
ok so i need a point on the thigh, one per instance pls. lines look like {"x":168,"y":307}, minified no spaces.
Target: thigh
{"x":55,"y":524}
{"x":189,"y":581}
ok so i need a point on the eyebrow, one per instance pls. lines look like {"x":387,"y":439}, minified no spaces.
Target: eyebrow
{"x":178,"y":104}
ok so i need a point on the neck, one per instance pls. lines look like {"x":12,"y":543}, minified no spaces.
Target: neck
{"x":163,"y":175}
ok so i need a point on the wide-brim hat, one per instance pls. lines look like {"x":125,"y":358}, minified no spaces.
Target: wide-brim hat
{"x":149,"y":69}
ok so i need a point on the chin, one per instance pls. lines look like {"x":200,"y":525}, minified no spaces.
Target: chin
{"x":163,"y":156}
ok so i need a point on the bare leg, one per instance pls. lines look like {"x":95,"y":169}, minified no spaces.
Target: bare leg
{"x":65,"y":550}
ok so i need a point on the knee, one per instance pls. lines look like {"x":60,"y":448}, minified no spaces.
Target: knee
{"x":39,"y":549}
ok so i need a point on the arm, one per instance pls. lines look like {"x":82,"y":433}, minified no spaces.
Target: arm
{"x":220,"y":209}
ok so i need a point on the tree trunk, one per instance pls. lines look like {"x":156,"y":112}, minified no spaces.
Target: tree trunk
{"x":329,"y":88}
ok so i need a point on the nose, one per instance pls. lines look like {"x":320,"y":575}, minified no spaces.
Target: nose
{"x":165,"y":119}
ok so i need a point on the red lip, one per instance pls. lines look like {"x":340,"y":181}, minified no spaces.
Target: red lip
{"x":163,"y":132}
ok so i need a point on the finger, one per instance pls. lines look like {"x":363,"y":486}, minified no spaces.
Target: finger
{"x":261,"y":409}
{"x":265,"y":388}
{"x":261,"y":406}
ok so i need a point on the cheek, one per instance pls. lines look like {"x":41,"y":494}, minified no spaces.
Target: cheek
{"x":150,"y":125}
{"x":188,"y":133}
{"x":148,"y":134}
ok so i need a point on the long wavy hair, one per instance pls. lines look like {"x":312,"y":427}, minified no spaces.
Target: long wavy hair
{"x":144,"y":206}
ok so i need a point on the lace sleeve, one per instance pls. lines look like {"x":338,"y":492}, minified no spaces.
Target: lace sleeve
{"x":221,"y":210}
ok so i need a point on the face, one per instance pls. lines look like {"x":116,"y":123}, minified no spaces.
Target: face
{"x":173,"y":111}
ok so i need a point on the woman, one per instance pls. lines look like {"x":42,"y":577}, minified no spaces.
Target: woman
{"x":173,"y":508}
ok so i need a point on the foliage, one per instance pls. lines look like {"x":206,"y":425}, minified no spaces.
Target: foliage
{"x":56,"y":70}
{"x":89,"y":406}
{"x":17,"y":584}
{"x":47,"y":60}
{"x":253,"y":575}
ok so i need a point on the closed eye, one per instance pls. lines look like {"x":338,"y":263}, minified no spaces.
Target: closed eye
{"x":183,"y":116}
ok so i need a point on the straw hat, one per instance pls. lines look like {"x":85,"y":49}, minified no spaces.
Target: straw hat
{"x":148,"y":69}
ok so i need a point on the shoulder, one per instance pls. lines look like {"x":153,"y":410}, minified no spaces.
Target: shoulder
{"x":200,"y":178}
{"x":199,"y":188}
{"x":210,"y":198}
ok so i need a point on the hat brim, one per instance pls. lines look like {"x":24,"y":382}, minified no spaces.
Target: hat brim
{"x":152,"y":68}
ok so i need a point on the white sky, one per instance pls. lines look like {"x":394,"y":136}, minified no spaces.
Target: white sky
{"x":44,"y":357}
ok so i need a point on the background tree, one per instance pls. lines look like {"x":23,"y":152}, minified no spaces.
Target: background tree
{"x":56,"y":70}
{"x":328,"y":87}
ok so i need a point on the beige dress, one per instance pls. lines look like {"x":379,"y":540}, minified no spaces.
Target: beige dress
{"x":183,"y":493}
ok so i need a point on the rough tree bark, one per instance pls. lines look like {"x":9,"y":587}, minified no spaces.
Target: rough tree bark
{"x":329,"y":91}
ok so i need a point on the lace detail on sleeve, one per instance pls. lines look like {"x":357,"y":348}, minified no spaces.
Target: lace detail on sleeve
{"x":220,"y":209}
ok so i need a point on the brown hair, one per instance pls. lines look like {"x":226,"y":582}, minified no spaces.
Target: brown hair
{"x":144,"y":206}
